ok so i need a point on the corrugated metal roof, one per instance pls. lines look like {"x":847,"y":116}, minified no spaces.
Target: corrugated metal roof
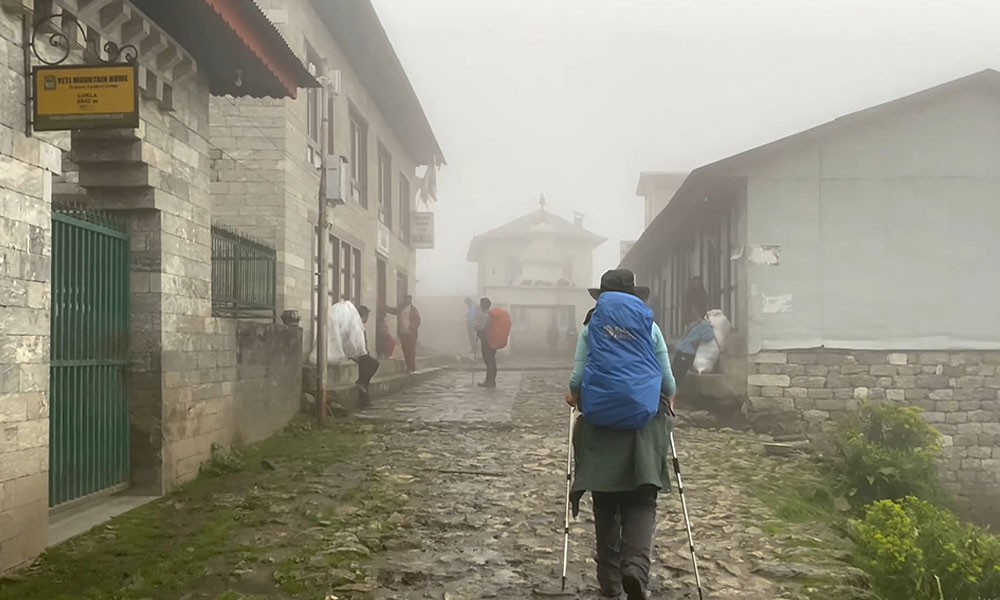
{"x":227,"y":37}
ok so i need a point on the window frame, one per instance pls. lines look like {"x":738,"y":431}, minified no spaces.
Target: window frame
{"x":402,"y":285}
{"x":385,"y":186}
{"x":359,"y":156}
{"x":405,"y":209}
{"x":314,"y":109}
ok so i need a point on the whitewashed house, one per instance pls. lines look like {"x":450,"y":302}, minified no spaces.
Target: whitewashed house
{"x":857,"y":260}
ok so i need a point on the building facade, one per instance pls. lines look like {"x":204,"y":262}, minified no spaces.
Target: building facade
{"x":267,"y":172}
{"x":538,"y":267}
{"x":114,"y":372}
{"x":851,"y":259}
{"x":656,"y":188}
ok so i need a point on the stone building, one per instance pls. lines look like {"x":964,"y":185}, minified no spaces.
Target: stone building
{"x":265,"y":171}
{"x":855,"y":261}
{"x":538,"y":267}
{"x":114,"y":372}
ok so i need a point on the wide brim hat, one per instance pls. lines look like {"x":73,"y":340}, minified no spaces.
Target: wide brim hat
{"x":620,"y":280}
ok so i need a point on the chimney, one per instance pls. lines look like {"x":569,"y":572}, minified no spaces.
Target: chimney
{"x":578,"y":218}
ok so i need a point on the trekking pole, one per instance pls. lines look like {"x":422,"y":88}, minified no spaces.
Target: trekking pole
{"x":684,"y":507}
{"x":569,"y":484}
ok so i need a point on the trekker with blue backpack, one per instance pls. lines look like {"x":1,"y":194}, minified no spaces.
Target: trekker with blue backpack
{"x":620,"y":444}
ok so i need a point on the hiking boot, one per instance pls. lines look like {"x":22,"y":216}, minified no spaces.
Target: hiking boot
{"x":635,"y":589}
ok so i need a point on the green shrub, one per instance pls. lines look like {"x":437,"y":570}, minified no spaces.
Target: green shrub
{"x":889,"y":452}
{"x":908,"y":546}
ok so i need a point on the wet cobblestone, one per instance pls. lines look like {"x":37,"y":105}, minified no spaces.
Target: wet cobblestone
{"x":484,"y":471}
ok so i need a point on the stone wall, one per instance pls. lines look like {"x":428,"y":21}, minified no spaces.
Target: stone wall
{"x":156,"y":178}
{"x":249,"y":385}
{"x":268,"y":379}
{"x":806,"y":391}
{"x":26,"y":169}
{"x":265,"y":184}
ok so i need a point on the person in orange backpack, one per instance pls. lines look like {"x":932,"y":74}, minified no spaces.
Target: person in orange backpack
{"x":493,"y":329}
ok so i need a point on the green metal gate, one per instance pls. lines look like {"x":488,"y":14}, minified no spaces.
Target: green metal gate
{"x":88,"y":416}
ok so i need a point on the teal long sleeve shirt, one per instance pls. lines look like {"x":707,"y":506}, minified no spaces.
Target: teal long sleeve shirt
{"x":668,"y":388}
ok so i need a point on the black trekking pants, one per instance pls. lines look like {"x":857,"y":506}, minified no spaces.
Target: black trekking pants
{"x":680,"y":366}
{"x":625,"y":523}
{"x":490,"y":360}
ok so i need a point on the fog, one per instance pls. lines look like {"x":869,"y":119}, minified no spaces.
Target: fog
{"x":573,"y":98}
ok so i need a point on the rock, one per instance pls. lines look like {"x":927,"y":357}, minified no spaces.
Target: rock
{"x":790,"y":571}
{"x":775,"y":449}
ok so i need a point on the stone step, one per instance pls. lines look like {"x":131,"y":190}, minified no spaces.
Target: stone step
{"x":349,"y":397}
{"x":347,"y":373}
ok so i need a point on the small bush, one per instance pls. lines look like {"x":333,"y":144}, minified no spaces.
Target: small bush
{"x":889,"y":452}
{"x":909,"y":546}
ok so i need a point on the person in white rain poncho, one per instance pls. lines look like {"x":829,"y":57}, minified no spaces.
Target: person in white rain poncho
{"x":345,"y":334}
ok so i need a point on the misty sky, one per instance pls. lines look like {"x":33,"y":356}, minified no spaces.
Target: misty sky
{"x":572,"y":98}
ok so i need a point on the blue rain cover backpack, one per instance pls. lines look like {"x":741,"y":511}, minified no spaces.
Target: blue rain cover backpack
{"x":621,"y":381}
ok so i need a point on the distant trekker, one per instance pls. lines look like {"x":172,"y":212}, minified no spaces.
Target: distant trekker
{"x":623,"y":386}
{"x":407,"y":326}
{"x":493,"y":328}
{"x":471,"y":317}
{"x":367,"y":364}
{"x":697,"y":333}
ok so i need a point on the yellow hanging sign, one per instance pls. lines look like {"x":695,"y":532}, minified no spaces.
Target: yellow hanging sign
{"x":86,"y":97}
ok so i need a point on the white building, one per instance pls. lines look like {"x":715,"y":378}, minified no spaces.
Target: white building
{"x":656,"y":188}
{"x":266,"y":169}
{"x":539,"y":267}
{"x":857,"y":260}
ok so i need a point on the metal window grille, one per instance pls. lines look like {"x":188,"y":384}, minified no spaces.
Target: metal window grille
{"x":243,"y":276}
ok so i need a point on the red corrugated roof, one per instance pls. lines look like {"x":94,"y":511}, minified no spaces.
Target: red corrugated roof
{"x":252,"y":26}
{"x":227,"y":37}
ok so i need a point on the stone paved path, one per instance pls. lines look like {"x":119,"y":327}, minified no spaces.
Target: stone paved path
{"x":494,"y":531}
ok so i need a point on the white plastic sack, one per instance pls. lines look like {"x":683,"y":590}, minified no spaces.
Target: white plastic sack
{"x":352,"y":330}
{"x":708,"y":354}
{"x":345,"y":334}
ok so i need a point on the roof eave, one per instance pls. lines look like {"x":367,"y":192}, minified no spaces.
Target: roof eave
{"x":343,"y":20}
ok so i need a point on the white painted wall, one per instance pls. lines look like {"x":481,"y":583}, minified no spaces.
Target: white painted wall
{"x":495,"y":254}
{"x":889,"y":233}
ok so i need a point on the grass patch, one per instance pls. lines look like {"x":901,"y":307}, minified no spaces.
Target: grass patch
{"x":808,"y":522}
{"x":226,"y":535}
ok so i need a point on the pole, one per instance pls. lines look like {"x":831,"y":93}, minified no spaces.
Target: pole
{"x":323,"y":284}
{"x":684,"y":507}
{"x":569,"y":487}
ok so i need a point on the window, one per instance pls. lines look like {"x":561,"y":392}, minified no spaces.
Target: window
{"x":404,"y":208}
{"x":402,"y":287}
{"x":330,"y":120}
{"x":513,"y":270}
{"x":382,"y":291}
{"x":334,"y":269}
{"x":356,"y":280}
{"x":345,"y":271}
{"x":384,"y":186}
{"x":314,"y":108}
{"x":359,"y":159}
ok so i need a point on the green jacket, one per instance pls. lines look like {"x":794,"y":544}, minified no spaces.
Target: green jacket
{"x":611,"y":460}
